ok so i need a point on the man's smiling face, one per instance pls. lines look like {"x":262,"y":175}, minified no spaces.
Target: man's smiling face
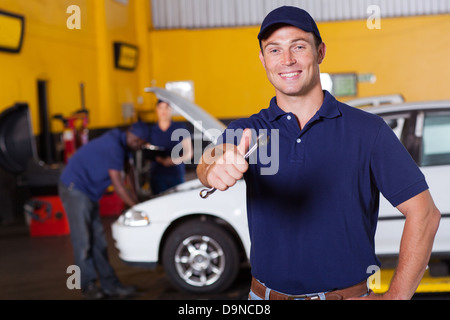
{"x":292,"y":60}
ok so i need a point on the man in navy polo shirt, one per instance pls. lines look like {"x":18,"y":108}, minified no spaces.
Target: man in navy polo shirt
{"x":312,"y":223}
{"x":89,"y":172}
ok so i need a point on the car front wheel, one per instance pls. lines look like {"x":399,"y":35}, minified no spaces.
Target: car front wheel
{"x":200,"y":257}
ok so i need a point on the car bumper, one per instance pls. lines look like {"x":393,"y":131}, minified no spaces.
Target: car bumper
{"x":137,"y":245}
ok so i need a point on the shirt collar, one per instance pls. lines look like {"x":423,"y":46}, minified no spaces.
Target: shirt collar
{"x":274,"y":111}
{"x":329,"y":108}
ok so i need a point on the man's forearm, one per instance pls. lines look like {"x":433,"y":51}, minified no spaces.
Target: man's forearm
{"x":127,"y":196}
{"x":415,"y":250}
{"x":130,"y":177}
{"x":422,"y":222}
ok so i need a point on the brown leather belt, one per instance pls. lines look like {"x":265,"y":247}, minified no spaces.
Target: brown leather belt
{"x":354,"y":291}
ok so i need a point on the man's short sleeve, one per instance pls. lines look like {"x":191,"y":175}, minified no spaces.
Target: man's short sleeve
{"x":396,"y":174}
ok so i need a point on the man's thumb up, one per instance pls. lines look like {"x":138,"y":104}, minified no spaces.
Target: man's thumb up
{"x":244,"y":144}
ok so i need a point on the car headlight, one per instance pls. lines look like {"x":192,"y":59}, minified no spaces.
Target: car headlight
{"x":135,"y":218}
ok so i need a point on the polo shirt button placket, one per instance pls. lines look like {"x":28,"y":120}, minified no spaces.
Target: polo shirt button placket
{"x":298,"y":154}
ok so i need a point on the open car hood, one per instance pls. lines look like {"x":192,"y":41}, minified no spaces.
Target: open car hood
{"x":200,"y":119}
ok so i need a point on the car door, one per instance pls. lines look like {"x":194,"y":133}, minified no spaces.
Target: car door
{"x":433,"y":129}
{"x":426,"y":135}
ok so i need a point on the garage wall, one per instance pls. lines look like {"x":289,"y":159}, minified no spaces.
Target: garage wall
{"x":50,"y":53}
{"x":407,"y":55}
{"x":66,"y":57}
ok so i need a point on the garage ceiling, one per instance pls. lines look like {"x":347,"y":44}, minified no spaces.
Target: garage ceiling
{"x":173,"y":14}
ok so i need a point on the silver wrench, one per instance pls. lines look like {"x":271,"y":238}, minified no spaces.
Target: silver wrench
{"x":261,"y":140}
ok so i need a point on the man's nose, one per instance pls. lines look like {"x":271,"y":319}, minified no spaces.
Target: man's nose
{"x":289,"y":59}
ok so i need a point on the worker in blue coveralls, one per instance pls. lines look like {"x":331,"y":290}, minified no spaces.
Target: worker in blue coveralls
{"x":89,"y":172}
{"x":312,"y":222}
{"x":167,"y":170}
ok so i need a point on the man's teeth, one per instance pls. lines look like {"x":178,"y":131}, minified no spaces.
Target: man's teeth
{"x":292,"y":74}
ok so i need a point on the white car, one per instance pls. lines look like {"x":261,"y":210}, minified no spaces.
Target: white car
{"x":202,"y":243}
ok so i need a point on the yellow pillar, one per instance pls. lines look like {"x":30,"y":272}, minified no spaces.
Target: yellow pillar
{"x":103,"y":50}
{"x":146,"y":101}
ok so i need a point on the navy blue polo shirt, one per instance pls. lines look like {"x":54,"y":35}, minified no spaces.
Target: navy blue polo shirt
{"x":88,"y":168}
{"x":168,"y":140}
{"x":312,"y":220}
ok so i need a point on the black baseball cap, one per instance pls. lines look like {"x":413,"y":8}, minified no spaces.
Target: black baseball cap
{"x":289,"y":15}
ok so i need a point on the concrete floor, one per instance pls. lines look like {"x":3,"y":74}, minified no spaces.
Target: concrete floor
{"x":35,"y":268}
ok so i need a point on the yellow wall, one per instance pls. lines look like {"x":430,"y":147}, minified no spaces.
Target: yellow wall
{"x":407,"y":55}
{"x":49,"y":52}
{"x":65,"y":57}
{"x":223,"y":63}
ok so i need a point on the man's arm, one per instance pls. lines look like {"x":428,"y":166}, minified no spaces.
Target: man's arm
{"x":129,"y":197}
{"x":421,"y":225}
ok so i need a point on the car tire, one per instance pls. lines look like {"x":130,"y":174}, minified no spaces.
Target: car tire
{"x":200,"y":257}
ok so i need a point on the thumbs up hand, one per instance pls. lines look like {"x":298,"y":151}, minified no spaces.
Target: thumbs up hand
{"x":244,"y":144}
{"x":227,"y":165}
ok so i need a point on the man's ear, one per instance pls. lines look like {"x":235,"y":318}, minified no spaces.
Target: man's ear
{"x":261,"y":57}
{"x":321,"y":52}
